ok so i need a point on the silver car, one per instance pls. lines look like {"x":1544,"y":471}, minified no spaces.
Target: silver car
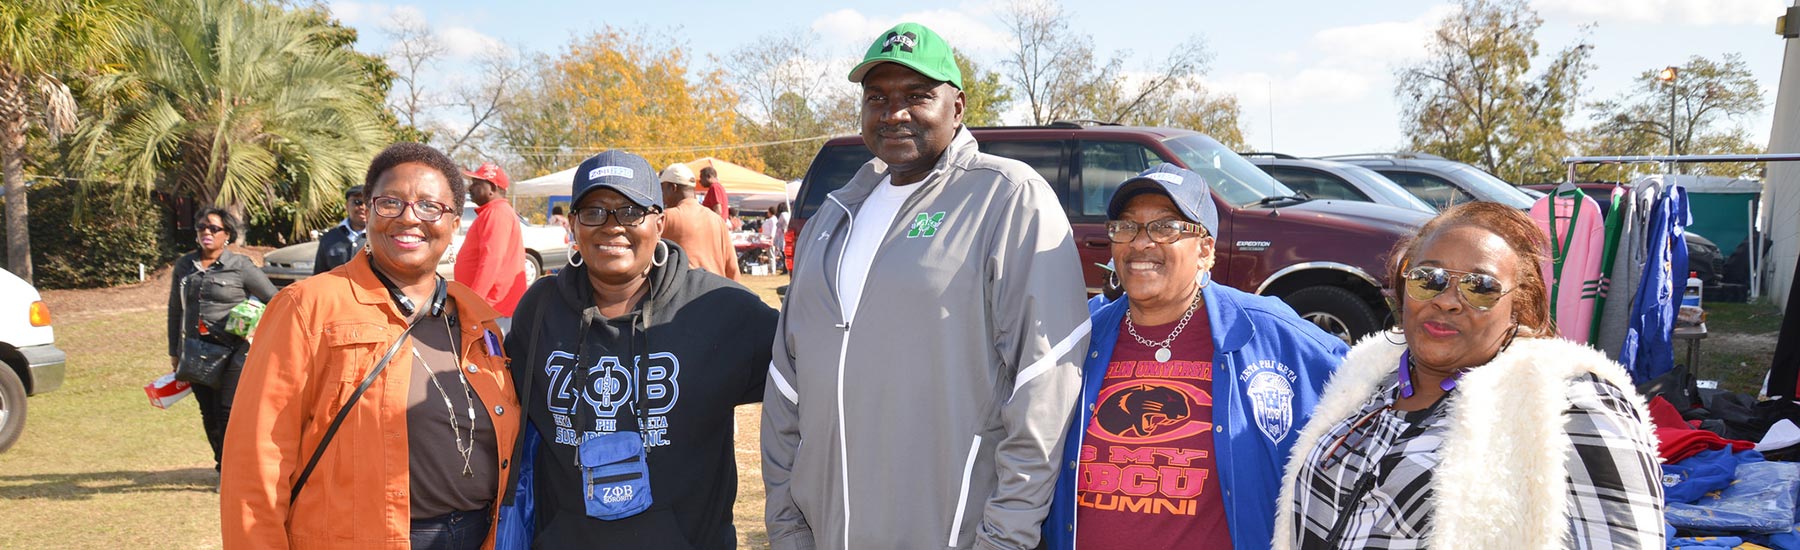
{"x":1330,"y":180}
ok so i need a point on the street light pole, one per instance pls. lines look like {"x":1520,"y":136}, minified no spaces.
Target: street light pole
{"x":1668,"y":75}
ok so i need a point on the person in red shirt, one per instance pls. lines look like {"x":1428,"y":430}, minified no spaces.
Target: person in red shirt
{"x":492,"y":258}
{"x":713,"y":193}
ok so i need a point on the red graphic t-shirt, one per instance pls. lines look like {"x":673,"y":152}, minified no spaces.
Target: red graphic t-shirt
{"x":1148,"y":475}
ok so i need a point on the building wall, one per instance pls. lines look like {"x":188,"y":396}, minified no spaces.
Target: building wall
{"x":1781,"y":195}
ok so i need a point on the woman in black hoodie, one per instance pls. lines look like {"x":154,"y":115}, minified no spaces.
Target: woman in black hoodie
{"x":630,"y":353}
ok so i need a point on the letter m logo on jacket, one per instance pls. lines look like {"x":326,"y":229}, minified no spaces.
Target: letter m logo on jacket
{"x":925,"y":225}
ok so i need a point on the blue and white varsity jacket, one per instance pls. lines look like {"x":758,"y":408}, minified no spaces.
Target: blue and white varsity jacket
{"x":1269,"y":368}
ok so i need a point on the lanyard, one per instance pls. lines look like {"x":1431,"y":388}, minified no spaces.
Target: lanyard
{"x":582,"y":420}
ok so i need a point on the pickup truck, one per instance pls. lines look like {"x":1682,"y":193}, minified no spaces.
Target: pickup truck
{"x":1326,"y":258}
{"x":30,"y":363}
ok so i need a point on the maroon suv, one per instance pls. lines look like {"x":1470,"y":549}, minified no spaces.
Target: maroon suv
{"x":1325,"y":258}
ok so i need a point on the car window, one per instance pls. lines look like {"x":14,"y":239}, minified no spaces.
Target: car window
{"x":1435,"y":191}
{"x":1044,"y":156}
{"x":1315,"y":184}
{"x":1235,"y":180}
{"x":1106,"y":164}
{"x":1492,"y":188}
{"x":1389,"y":192}
{"x":831,"y":169}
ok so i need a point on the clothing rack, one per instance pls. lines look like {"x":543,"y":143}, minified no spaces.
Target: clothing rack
{"x":1670,"y":161}
{"x":1781,"y":376}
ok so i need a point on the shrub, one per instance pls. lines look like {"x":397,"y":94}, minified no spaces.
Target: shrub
{"x":83,"y":238}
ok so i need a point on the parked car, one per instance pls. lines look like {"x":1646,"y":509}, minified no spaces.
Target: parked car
{"x":1438,"y":181}
{"x":1704,"y":256}
{"x":30,"y":363}
{"x":1325,"y":258}
{"x":545,"y":245}
{"x":1332,"y":180}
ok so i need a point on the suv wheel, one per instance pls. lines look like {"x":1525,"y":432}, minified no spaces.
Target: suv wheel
{"x":1335,"y":310}
{"x":12,"y":407}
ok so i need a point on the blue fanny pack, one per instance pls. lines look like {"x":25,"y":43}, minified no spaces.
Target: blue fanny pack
{"x":617,"y":476}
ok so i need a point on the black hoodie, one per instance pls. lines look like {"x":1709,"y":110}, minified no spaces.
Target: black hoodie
{"x":704,"y":342}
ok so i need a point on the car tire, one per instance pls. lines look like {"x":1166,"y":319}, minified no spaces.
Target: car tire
{"x":533,"y":269}
{"x":12,"y":407}
{"x":1335,"y":310}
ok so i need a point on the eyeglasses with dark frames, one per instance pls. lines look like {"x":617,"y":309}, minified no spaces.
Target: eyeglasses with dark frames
{"x":1480,"y":290}
{"x":209,"y":228}
{"x":629,"y":215}
{"x":392,"y":207}
{"x":1161,"y":231}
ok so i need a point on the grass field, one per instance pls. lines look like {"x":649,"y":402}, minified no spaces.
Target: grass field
{"x":98,"y":467}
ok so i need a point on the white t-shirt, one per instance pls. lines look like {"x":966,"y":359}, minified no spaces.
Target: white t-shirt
{"x":871,"y":224}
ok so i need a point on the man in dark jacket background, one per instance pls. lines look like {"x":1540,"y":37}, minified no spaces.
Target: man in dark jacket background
{"x":338,"y":244}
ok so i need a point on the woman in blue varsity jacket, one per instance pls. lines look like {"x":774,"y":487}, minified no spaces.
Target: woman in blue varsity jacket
{"x":1192,"y":392}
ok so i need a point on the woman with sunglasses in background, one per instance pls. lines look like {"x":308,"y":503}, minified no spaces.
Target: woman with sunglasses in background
{"x":206,"y":284}
{"x":377,"y":408}
{"x":629,"y":362}
{"x":1471,"y":425}
{"x":1191,"y":391}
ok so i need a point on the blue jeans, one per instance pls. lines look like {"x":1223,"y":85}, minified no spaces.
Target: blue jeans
{"x":452,"y":531}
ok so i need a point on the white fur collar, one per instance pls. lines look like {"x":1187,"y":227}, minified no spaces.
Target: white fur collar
{"x":1502,"y":480}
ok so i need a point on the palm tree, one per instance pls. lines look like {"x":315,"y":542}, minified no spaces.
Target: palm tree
{"x":222,"y":99}
{"x":41,"y":43}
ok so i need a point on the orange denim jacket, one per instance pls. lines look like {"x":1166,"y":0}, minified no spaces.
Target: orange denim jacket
{"x":316,"y":342}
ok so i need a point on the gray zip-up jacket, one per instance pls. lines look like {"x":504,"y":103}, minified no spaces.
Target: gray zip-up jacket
{"x":936,"y":416}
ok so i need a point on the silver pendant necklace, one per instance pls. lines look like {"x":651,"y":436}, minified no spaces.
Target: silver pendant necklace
{"x":1162,"y":348}
{"x":469,"y":400}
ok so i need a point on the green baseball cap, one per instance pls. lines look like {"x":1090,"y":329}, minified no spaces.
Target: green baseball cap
{"x":916,"y":47}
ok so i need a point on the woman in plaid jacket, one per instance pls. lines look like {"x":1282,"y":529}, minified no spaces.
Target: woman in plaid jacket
{"x":1473,"y":425}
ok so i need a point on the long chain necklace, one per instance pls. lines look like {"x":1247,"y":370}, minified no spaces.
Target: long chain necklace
{"x":1162,"y":348}
{"x":455,"y":429}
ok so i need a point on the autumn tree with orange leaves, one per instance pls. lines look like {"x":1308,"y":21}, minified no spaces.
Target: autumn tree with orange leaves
{"x":615,"y":90}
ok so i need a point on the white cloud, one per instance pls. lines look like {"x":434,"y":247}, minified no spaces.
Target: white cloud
{"x":848,"y":28}
{"x":1680,"y":12}
{"x":467,"y":43}
{"x":359,"y":13}
{"x":1382,"y":43}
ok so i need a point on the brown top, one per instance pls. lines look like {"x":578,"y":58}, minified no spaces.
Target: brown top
{"x":700,"y":232}
{"x":434,"y":453}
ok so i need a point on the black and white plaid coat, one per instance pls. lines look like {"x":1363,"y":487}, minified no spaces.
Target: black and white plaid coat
{"x":1546,"y":446}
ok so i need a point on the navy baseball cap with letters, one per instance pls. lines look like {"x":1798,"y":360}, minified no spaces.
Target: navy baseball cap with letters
{"x":628,"y":174}
{"x":1185,"y":188}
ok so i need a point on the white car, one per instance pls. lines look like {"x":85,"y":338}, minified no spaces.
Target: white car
{"x":30,"y":363}
{"x":545,"y":245}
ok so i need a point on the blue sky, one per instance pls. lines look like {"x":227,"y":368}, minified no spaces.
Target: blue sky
{"x":1314,"y":78}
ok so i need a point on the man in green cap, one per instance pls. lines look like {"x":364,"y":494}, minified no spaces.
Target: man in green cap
{"x":933,"y":330}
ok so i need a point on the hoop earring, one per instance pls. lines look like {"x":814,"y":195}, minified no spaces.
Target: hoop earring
{"x":664,"y":249}
{"x":1205,"y":278}
{"x":1510,"y":337}
{"x":1388,"y":335}
{"x":575,"y":259}
{"x":1112,"y":279}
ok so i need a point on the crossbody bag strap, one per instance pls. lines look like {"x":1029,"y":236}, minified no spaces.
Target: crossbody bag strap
{"x":344,"y":412}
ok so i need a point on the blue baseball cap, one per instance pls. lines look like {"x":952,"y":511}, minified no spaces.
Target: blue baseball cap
{"x":628,"y":174}
{"x":1185,"y":188}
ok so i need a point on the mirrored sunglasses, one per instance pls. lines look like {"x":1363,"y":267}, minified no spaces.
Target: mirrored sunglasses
{"x":1480,"y":290}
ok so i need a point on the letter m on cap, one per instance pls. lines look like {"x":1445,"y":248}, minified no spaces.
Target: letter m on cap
{"x":906,"y":42}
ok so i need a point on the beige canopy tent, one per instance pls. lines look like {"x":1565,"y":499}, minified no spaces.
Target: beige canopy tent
{"x":748,"y":188}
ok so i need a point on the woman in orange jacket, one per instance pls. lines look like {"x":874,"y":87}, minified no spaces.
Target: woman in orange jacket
{"x":421,"y":452}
